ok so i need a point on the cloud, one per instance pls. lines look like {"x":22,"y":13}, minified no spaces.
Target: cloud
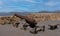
{"x":31,"y":1}
{"x":0,"y":7}
{"x":52,"y":3}
{"x":14,"y":8}
{"x":1,"y":2}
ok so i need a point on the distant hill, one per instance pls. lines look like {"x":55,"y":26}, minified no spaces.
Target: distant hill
{"x":57,"y":11}
{"x":12,"y":13}
{"x":25,"y":13}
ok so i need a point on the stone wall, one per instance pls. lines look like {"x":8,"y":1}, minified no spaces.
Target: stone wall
{"x":45,"y":17}
{"x":37,"y":16}
{"x":9,"y":20}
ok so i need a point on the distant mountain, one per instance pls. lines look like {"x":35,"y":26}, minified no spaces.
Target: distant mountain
{"x":57,"y":11}
{"x":26,"y":13}
{"x":12,"y":13}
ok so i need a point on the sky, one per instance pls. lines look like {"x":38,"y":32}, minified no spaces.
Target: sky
{"x":29,"y":5}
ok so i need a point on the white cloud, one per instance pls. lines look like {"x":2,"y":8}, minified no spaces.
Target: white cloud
{"x":1,"y":2}
{"x":52,"y":3}
{"x":31,"y":1}
{"x":0,"y":7}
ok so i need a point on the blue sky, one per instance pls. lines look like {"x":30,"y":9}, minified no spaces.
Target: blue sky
{"x":29,"y":5}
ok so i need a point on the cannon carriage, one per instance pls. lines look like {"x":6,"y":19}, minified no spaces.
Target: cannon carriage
{"x":53,"y":26}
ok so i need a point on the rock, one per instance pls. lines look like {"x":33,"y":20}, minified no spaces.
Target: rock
{"x":44,"y":16}
{"x":9,"y":19}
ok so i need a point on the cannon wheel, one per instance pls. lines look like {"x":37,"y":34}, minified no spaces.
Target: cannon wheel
{"x":35,"y":30}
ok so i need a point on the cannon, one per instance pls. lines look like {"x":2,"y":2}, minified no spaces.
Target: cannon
{"x":31,"y":22}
